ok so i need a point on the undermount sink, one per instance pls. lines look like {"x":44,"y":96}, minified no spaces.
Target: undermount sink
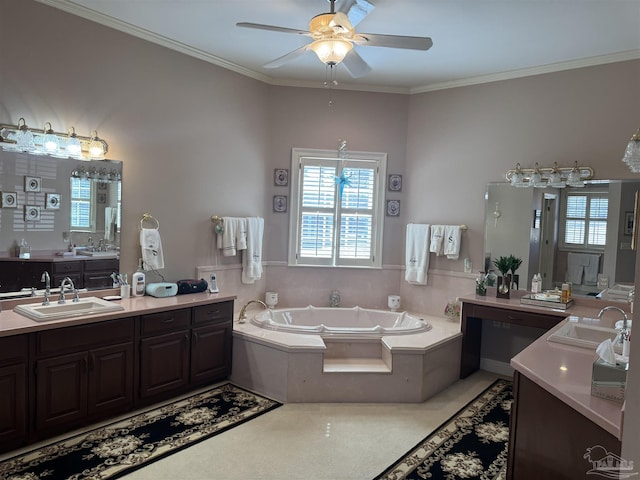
{"x":57,"y":311}
{"x":89,"y":253}
{"x":583,"y":335}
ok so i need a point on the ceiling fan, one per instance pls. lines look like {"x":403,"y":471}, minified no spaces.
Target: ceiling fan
{"x":334,"y":37}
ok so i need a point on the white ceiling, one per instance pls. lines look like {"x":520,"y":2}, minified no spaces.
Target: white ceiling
{"x":474,"y":41}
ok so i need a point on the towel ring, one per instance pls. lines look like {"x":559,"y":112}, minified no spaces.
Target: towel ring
{"x":147,"y":217}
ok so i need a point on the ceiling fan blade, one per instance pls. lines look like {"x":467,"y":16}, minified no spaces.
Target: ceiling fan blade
{"x":356,"y":10}
{"x":273,"y":28}
{"x":278,"y":62}
{"x":355,"y":64}
{"x":393,"y":41}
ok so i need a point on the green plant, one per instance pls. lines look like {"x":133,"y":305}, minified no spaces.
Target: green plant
{"x":503,"y":264}
{"x":515,"y":263}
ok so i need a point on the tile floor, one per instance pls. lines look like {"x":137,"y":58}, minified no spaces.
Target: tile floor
{"x":315,"y":441}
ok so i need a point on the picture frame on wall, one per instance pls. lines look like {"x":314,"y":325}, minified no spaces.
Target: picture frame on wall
{"x":32,"y":184}
{"x":280,"y":203}
{"x":31,"y":213}
{"x":395,"y":183}
{"x":52,"y":201}
{"x":281,"y":177}
{"x":9,"y":200}
{"x":393,"y":208}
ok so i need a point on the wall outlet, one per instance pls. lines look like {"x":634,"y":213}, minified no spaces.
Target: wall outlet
{"x":213,"y":284}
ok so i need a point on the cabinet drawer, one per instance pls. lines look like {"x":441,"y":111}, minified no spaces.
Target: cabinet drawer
{"x":67,"y":267}
{"x":13,"y":348}
{"x":214,"y":312}
{"x":165,"y":321}
{"x":529,"y":319}
{"x":110,"y":264}
{"x":81,"y":337}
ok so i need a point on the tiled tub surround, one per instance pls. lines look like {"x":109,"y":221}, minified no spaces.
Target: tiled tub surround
{"x":335,"y":368}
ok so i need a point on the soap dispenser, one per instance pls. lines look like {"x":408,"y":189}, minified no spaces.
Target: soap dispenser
{"x":25,"y":250}
{"x":138,"y":281}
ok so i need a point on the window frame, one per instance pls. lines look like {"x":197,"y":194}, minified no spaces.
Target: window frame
{"x":589,"y":194}
{"x":306,"y":156}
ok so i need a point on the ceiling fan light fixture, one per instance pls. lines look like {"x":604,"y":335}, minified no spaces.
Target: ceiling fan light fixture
{"x":331,"y":51}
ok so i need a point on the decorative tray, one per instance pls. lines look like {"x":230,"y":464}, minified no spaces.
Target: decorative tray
{"x":551,"y":300}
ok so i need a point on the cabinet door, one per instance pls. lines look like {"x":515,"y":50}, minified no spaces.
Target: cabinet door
{"x":210,"y":352}
{"x":164,"y":363}
{"x":61,"y":390}
{"x":13,"y":400}
{"x":110,"y":378}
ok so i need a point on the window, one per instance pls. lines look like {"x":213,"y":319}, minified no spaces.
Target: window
{"x":82,"y":201}
{"x":585,"y":219}
{"x":337,"y":208}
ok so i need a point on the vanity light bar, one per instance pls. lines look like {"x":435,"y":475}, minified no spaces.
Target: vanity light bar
{"x":20,"y":138}
{"x":556,"y":177}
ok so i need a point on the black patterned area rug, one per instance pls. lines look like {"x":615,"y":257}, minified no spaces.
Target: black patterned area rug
{"x":470,"y":445}
{"x":116,"y":449}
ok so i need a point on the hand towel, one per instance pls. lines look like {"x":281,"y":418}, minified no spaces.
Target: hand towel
{"x":437,"y":237}
{"x":591,"y":270}
{"x":234,"y":236}
{"x":110,"y":214}
{"x":576,"y":263}
{"x":453,"y":236}
{"x":151,"y":245}
{"x":252,"y":256}
{"x":417,"y":253}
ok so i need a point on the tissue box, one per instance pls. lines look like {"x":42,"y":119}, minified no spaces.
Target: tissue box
{"x":609,"y":381}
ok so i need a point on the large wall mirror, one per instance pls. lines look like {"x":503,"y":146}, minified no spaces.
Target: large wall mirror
{"x":582,"y":235}
{"x":55,"y":203}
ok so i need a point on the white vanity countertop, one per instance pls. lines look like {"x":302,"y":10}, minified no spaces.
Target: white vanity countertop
{"x":565,"y":372}
{"x":12,"y":323}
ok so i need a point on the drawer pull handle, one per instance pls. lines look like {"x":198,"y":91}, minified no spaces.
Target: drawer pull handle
{"x":213,"y":312}
{"x":167,"y":320}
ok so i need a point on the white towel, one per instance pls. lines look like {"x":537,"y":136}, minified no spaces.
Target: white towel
{"x":151,"y":245}
{"x":576,"y":263}
{"x":417,"y":254}
{"x":110,"y":214}
{"x":437,"y":237}
{"x":234,"y":236}
{"x":591,"y":270}
{"x":252,"y":256}
{"x":453,"y":236}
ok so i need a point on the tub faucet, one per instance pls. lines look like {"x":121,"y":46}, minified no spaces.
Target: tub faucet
{"x":625,"y":319}
{"x":334,"y":299}
{"x":47,"y":286}
{"x":243,"y":316}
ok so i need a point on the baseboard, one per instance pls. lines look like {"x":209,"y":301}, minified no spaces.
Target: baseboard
{"x":495,"y":366}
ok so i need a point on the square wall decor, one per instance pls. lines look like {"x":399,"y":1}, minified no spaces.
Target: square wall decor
{"x":32,"y":184}
{"x":395,"y":183}
{"x":279,"y":203}
{"x":9,"y":200}
{"x":281,"y":177}
{"x":52,"y":201}
{"x":31,"y":213}
{"x":393,"y":208}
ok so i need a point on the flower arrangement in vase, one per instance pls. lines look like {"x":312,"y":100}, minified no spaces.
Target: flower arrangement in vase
{"x":452,"y":310}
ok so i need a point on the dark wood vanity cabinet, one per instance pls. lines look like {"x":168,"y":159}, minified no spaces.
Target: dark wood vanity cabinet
{"x":13,"y":391}
{"x":82,"y":374}
{"x":97,"y":272}
{"x":181,"y":349}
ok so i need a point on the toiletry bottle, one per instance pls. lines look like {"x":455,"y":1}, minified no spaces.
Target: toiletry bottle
{"x":534,"y":284}
{"x":138,"y":282}
{"x":25,"y":251}
{"x":565,"y":293}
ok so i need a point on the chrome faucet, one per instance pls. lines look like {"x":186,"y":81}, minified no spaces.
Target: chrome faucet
{"x":625,"y":320}
{"x":47,"y":286}
{"x":68,"y":282}
{"x":243,"y":316}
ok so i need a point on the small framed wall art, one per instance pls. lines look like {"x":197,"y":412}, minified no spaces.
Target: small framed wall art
{"x":31,"y":213}
{"x":393,"y":208}
{"x":280,"y":203}
{"x":32,"y":184}
{"x":281,"y":177}
{"x":9,"y":200}
{"x":395,"y":183}
{"x":52,"y":201}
